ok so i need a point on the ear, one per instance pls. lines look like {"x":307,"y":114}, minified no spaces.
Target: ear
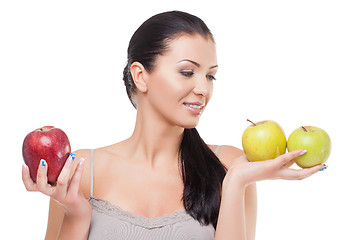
{"x":139,"y":75}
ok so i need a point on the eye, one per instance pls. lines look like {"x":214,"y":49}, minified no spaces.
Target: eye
{"x":211,"y":77}
{"x":187,"y":73}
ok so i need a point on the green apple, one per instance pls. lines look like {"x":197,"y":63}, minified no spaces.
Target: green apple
{"x":312,"y":139}
{"x":263,"y":141}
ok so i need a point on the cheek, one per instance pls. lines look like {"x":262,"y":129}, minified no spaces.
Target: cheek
{"x":211,"y":90}
{"x":166,"y":89}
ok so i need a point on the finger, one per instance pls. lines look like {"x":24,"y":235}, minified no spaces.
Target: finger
{"x":299,"y":174}
{"x":287,"y":157}
{"x":289,"y":164}
{"x":41,"y":178}
{"x":74,"y":185}
{"x":28,"y":182}
{"x":63,"y":179}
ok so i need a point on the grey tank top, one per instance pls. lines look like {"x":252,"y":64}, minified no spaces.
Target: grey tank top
{"x":109,"y":222}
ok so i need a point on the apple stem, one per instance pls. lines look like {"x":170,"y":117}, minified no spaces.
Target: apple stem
{"x":251,"y":122}
{"x":304,"y":128}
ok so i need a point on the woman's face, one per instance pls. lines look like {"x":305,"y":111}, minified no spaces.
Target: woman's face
{"x":181,"y":82}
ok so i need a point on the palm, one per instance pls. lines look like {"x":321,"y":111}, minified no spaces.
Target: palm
{"x":278,"y":168}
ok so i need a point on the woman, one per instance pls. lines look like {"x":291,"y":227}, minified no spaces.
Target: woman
{"x":164,"y":181}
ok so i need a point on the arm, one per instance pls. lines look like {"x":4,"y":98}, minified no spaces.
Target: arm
{"x":232,"y":219}
{"x":70,"y":212}
{"x":74,"y":227}
{"x":227,"y":155}
{"x":64,"y":226}
{"x":55,"y":218}
{"x":238,"y":211}
{"x":251,"y":210}
{"x":232,"y":222}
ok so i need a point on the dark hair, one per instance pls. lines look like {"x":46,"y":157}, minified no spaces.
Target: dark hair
{"x":202,"y":171}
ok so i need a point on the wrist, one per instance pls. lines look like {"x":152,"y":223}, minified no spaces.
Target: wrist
{"x":79,"y":211}
{"x":85,"y":216}
{"x":233,"y":180}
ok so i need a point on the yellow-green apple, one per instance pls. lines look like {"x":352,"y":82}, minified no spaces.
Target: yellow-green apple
{"x":48,"y":143}
{"x":263,"y":141}
{"x":315,"y":141}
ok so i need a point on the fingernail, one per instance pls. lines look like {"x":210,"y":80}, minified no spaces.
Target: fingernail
{"x":81,"y":161}
{"x":323,"y":168}
{"x":23,"y":168}
{"x":73,"y":155}
{"x":303,"y":152}
{"x":42,"y":163}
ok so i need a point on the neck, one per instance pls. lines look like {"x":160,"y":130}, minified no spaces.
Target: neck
{"x":155,"y":141}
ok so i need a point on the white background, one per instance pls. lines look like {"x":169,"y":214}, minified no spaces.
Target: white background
{"x":295,"y":62}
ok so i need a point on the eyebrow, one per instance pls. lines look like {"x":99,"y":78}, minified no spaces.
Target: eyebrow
{"x":197,"y":64}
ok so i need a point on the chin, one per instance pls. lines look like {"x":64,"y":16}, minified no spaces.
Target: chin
{"x":190,"y":124}
{"x":184,"y":120}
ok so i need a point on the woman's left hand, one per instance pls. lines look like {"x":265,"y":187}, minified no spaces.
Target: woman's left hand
{"x":278,"y":168}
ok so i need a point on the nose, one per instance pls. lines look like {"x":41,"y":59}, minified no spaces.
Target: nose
{"x":202,"y":87}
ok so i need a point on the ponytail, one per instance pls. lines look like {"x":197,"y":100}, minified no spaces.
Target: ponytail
{"x":202,"y":174}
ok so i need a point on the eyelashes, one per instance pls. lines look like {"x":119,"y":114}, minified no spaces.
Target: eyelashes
{"x":186,"y":73}
{"x":189,"y":74}
{"x":211,"y":77}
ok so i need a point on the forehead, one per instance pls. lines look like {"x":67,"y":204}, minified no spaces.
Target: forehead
{"x":194,"y":47}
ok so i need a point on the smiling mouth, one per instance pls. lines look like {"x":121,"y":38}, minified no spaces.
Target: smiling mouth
{"x":195,"y":108}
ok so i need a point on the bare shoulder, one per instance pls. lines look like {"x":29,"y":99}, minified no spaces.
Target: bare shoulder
{"x":102,"y":154}
{"x":227,"y":153}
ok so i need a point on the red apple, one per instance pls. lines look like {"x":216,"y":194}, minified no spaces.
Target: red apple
{"x":48,"y":143}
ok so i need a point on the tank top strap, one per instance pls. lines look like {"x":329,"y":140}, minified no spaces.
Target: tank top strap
{"x":217,"y":149}
{"x":92,"y":173}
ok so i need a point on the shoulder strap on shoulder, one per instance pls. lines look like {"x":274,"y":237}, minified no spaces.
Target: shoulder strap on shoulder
{"x":217,"y":149}
{"x":92,"y":173}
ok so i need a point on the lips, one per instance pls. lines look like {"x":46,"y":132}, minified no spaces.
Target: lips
{"x":197,"y":104}
{"x":194,"y":107}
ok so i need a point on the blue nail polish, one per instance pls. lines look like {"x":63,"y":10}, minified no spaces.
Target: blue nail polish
{"x":73,"y":155}
{"x":43,"y":162}
{"x":323,"y":168}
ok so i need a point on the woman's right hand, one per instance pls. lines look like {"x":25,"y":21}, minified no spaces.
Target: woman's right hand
{"x":67,"y":190}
